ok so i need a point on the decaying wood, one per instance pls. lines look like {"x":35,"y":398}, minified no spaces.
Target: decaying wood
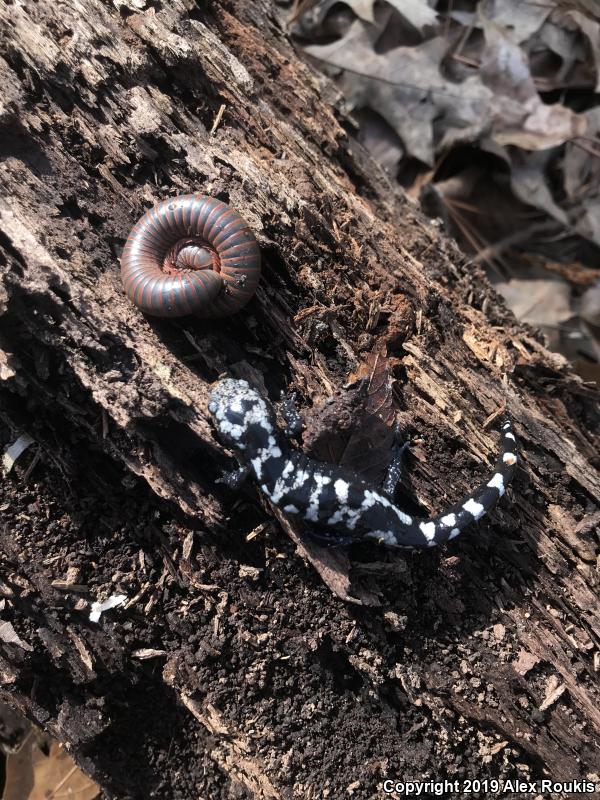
{"x":233,"y":669}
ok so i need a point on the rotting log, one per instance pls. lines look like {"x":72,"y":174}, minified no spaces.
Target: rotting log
{"x":246,"y":663}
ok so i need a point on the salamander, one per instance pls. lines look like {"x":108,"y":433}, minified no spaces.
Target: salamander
{"x":339,"y":507}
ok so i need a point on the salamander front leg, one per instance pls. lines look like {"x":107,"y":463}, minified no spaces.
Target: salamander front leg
{"x":394,"y":470}
{"x":291,"y":415}
{"x":235,"y":477}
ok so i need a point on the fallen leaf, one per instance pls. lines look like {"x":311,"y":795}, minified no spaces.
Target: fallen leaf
{"x":406,"y":87}
{"x":591,"y":29}
{"x":520,"y":19}
{"x":538,"y":302}
{"x":33,"y":775}
{"x":382,"y":142}
{"x":518,"y":114}
{"x":528,"y":181}
{"x":590,"y":305}
{"x":417,"y":12}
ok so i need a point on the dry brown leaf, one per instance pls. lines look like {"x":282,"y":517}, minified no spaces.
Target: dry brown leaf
{"x":520,"y":19}
{"x":369,"y":448}
{"x":379,"y":393}
{"x":528,"y":181}
{"x":538,"y":302}
{"x":519,"y":116}
{"x":417,"y":12}
{"x":382,"y":142}
{"x":481,"y":75}
{"x":405,"y":86}
{"x":33,"y":775}
{"x":591,"y":29}
{"x":590,"y":305}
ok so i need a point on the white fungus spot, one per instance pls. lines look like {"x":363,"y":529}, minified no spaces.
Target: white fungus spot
{"x":474,"y":508}
{"x":312,"y":512}
{"x":371,"y":499}
{"x":353,"y":515}
{"x":509,"y":436}
{"x":387,"y":537}
{"x":453,"y":533}
{"x":509,"y":458}
{"x":300,"y":479}
{"x":428,"y":529}
{"x":341,"y":491}
{"x":497,"y":482}
{"x":449,"y":520}
{"x":279,"y":490}
{"x":374,"y":498}
{"x":338,"y":516}
{"x":291,"y":509}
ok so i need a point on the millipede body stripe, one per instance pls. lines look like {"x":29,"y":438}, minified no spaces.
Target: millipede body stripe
{"x":190,"y":254}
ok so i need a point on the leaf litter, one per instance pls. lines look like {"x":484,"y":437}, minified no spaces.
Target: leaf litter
{"x":488,"y":112}
{"x":39,"y":768}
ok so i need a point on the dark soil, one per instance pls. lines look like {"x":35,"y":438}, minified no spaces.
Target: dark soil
{"x":248,"y":628}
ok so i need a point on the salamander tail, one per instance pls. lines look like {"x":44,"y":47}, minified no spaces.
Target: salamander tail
{"x":418,"y":533}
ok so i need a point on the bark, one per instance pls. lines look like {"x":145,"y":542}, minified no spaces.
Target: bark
{"x":246,"y":663}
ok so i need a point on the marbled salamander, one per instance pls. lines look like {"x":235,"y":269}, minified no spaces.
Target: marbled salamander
{"x":327,"y":496}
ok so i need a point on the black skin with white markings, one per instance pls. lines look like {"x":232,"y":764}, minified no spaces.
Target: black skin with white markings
{"x":327,"y":496}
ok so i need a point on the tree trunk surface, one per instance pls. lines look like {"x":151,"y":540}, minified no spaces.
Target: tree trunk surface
{"x":246,"y":662}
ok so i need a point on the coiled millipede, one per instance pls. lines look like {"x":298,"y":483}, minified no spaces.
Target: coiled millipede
{"x":191,"y":254}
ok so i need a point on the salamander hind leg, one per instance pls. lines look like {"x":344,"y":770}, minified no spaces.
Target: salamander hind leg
{"x":234,"y":478}
{"x":289,"y":411}
{"x":394,"y":470}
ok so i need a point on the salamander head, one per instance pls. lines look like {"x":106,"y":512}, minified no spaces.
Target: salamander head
{"x":244,"y":419}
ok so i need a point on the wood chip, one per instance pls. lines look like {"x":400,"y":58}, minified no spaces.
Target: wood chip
{"x":9,"y":635}
{"x":145,"y":653}
{"x":525,"y":662}
{"x":14,"y":451}
{"x":553,"y":692}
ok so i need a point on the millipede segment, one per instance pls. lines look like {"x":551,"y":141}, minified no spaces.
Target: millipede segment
{"x":191,"y":254}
